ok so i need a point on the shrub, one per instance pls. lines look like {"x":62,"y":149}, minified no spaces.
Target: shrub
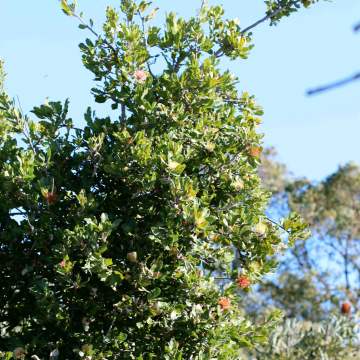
{"x":117,"y":239}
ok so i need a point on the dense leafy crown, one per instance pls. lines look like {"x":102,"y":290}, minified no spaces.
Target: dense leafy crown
{"x":118,"y":239}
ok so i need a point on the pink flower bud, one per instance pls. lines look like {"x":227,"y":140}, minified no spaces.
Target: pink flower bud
{"x":19,"y":353}
{"x":140,"y":76}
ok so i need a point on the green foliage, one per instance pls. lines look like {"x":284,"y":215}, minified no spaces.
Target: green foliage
{"x":277,"y":9}
{"x":298,"y":296}
{"x":116,"y":238}
{"x":318,"y":277}
{"x":2,"y":75}
{"x":68,"y":8}
{"x":331,"y":207}
{"x":333,"y":339}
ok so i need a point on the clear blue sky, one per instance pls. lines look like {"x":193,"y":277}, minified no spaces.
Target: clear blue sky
{"x":313,"y":135}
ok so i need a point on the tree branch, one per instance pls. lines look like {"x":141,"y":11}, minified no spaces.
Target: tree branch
{"x":334,"y":85}
{"x":346,"y":264}
{"x":277,"y":225}
{"x":268,"y":16}
{"x":256,"y":23}
{"x":357,"y":27}
{"x":90,"y":28}
{"x":17,"y":213}
{"x":123,"y":113}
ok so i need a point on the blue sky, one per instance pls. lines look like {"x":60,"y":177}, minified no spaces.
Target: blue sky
{"x":312,"y":135}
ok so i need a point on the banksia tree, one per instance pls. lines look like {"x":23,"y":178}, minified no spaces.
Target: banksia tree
{"x":118,"y":239}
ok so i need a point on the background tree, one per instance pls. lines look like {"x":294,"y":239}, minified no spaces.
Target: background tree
{"x":117,"y":239}
{"x":316,"y":283}
{"x":332,"y":208}
{"x":331,"y":339}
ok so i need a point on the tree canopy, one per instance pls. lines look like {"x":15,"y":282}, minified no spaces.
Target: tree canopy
{"x":138,"y":235}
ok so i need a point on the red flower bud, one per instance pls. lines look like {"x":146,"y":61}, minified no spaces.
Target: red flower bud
{"x":224,"y":303}
{"x":140,"y":76}
{"x":255,"y":151}
{"x":243,"y":281}
{"x":50,"y":197}
{"x":346,"y":308}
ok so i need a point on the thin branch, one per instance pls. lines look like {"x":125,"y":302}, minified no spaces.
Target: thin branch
{"x":26,"y":217}
{"x":277,"y":225}
{"x":266,"y":17}
{"x":18,"y":213}
{"x":91,"y":29}
{"x":86,"y":25}
{"x":145,"y":43}
{"x":346,"y":264}
{"x":111,"y":326}
{"x":26,"y":129}
{"x":123,"y":113}
{"x":71,"y":128}
{"x":334,"y":85}
{"x":26,"y":133}
{"x":269,"y":16}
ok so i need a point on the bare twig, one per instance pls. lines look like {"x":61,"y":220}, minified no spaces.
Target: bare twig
{"x":123,"y":113}
{"x":334,"y":85}
{"x":18,"y":213}
{"x":111,"y":325}
{"x":346,"y":264}
{"x":26,"y":129}
{"x":142,"y":19}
